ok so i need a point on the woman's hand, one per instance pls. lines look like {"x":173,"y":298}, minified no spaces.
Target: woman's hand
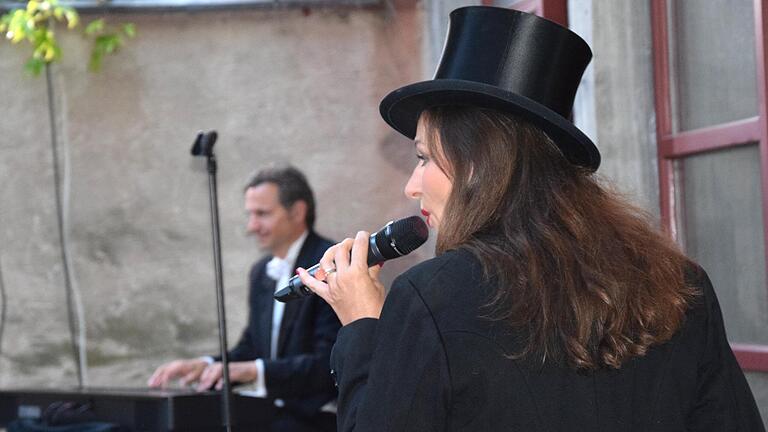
{"x":351,"y":288}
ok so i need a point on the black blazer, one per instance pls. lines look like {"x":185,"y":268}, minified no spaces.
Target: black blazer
{"x":431,"y":364}
{"x":299,"y":375}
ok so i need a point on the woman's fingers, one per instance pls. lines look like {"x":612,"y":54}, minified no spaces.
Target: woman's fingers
{"x":341,"y":255}
{"x":326,"y":263}
{"x":352,"y":289}
{"x":318,"y":287}
{"x":374,"y":271}
{"x":360,"y":250}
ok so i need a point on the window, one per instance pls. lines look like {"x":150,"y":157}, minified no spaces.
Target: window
{"x":555,"y":10}
{"x":712,"y":132}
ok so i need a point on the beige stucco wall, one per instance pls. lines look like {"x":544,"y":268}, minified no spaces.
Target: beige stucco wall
{"x":279,"y":85}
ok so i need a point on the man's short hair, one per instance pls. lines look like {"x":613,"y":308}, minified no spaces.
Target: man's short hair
{"x":291,"y":185}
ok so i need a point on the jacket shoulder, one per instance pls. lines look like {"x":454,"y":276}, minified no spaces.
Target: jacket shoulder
{"x":324,"y":242}
{"x":315,"y":245}
{"x":451,"y":263}
{"x":704,"y":298}
{"x":258,"y":267}
{"x":448,"y":276}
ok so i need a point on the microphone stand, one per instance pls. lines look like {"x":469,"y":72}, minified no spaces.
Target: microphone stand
{"x":203,"y":146}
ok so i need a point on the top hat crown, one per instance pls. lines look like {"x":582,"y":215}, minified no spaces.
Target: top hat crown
{"x":509,"y":61}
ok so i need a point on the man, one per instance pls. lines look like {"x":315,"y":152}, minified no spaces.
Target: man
{"x":284,"y":351}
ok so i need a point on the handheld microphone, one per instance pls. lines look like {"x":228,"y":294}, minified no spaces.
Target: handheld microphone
{"x":395,"y":239}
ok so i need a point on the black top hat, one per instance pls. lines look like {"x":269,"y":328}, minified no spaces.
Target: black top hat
{"x":509,"y":61}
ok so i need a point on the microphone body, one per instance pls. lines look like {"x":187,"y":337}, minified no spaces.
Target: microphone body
{"x":395,"y":239}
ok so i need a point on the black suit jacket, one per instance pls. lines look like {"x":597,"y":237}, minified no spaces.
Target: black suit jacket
{"x":299,"y":375}
{"x":432,"y":364}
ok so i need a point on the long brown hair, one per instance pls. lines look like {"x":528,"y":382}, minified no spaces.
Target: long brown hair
{"x":580,"y":269}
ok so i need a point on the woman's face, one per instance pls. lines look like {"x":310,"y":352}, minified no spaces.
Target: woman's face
{"x":428,"y":183}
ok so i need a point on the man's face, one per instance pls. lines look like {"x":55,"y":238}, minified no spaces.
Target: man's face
{"x":274,"y":226}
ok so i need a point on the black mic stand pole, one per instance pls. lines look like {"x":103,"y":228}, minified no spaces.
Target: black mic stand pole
{"x":203,"y":146}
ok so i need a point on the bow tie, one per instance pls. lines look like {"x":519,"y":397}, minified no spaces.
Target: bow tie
{"x":278,"y":268}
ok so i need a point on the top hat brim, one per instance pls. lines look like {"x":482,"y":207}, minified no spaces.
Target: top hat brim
{"x":402,"y":107}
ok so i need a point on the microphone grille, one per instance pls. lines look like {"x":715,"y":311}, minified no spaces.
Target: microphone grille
{"x":409,"y":233}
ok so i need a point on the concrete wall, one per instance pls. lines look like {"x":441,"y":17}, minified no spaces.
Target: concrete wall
{"x":279,"y":85}
{"x":615,"y":105}
{"x":437,"y":18}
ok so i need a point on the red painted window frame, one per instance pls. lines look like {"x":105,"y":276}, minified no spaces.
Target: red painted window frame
{"x":672,"y":146}
{"x":553,"y":10}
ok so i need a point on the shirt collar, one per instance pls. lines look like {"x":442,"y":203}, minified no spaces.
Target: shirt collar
{"x":295,"y":248}
{"x":279,"y":268}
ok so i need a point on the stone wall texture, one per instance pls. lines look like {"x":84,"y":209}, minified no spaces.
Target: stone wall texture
{"x":280,"y":85}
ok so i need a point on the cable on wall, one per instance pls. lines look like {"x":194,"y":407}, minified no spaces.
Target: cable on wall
{"x":74,"y":302}
{"x":3,"y":307}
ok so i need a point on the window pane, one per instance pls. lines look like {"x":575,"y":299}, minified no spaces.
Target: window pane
{"x":713,"y":46}
{"x":724,"y":234}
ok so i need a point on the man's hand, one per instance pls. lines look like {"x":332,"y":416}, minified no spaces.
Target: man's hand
{"x":188,"y":370}
{"x":239,"y":372}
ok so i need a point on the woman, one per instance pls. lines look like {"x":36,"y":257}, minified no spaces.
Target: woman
{"x":552,"y":304}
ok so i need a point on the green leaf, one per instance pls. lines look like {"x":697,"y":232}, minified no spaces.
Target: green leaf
{"x":95,"y":26}
{"x":16,"y":36}
{"x":17,"y":26}
{"x":73,"y":19}
{"x":109,"y":43}
{"x":32,"y":24}
{"x":34,"y":66}
{"x":129,"y":29}
{"x":94,"y":65}
{"x":52,"y":52}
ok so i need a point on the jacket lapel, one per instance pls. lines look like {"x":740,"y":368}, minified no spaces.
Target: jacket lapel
{"x":267,"y":304}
